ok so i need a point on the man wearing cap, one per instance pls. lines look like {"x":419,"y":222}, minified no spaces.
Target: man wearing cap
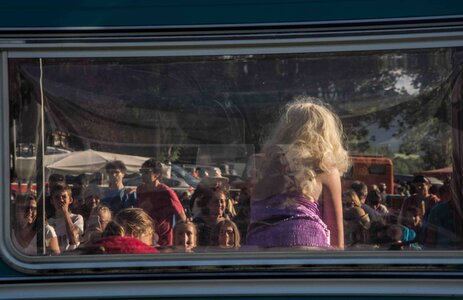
{"x":422,"y":199}
{"x":159,"y":201}
{"x":118,"y":197}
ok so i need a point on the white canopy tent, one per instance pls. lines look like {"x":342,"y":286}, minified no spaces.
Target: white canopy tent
{"x":91,"y":161}
{"x":25,"y":167}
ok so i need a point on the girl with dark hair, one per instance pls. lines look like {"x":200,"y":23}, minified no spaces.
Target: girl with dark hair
{"x":213,"y":205}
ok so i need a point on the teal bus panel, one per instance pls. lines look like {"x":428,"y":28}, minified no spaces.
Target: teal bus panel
{"x":145,"y":13}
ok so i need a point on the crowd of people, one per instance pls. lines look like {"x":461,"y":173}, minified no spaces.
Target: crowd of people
{"x":294,"y":200}
{"x":119,"y":219}
{"x":424,"y":221}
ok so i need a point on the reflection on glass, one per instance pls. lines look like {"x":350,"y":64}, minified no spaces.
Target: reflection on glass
{"x":204,"y":121}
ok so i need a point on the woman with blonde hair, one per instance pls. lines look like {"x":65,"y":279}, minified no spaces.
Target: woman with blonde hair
{"x":296,"y":200}
{"x":99,"y":218}
{"x":130,"y":231}
{"x":185,"y":236}
{"x":351,"y":199}
{"x":228,"y":235}
{"x":356,"y":220}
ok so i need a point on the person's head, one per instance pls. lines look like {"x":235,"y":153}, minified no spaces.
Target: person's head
{"x":151,"y":170}
{"x":228,"y":234}
{"x":382,"y":187}
{"x":116,"y":171}
{"x":421,"y":184}
{"x":213,"y":203}
{"x":185,"y":236}
{"x":25,"y":210}
{"x":103,"y":215}
{"x":350,"y":199}
{"x":394,"y":232}
{"x":412,"y":217}
{"x":92,"y":196}
{"x":61,"y":195}
{"x":309,"y":135}
{"x":374,"y":199}
{"x":133,"y":222}
{"x":360,"y":189}
{"x":55,"y":179}
{"x":398,"y":189}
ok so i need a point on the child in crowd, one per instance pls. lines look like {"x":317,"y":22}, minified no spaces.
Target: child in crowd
{"x":212,"y":204}
{"x":357,"y":224}
{"x":91,"y":197}
{"x":374,"y":199}
{"x":402,"y":238}
{"x":185,"y":236}
{"x":69,"y":227}
{"x":130,"y":231}
{"x":100,"y":217}
{"x":412,"y":218}
{"x":350,"y":199}
{"x":301,"y":164}
{"x":228,"y":235}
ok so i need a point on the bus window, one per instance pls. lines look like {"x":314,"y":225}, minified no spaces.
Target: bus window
{"x":148,"y":153}
{"x":377,"y":170}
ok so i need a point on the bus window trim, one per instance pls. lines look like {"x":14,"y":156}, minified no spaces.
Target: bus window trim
{"x":372,"y":43}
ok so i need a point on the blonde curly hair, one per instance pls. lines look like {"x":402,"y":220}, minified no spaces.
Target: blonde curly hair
{"x":306,"y":142}
{"x":130,"y":222}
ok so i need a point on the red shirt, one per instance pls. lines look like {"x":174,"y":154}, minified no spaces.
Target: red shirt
{"x":125,"y":245}
{"x":162,"y":205}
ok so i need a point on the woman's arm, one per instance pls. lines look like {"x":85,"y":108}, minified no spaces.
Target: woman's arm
{"x":54,"y":246}
{"x":332,"y":207}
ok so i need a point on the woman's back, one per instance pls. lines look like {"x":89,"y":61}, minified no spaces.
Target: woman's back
{"x":301,"y":162}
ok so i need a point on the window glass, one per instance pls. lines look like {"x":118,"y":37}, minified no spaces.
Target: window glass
{"x":377,"y":169}
{"x":233,"y":153}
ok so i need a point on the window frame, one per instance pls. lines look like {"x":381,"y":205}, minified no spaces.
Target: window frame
{"x":364,"y":38}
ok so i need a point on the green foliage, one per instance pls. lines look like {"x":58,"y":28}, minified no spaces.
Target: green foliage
{"x":170,"y":154}
{"x":407,"y":164}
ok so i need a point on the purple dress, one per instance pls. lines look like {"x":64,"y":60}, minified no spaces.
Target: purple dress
{"x":287,"y":220}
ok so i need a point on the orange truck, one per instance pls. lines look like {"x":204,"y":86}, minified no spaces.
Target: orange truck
{"x":371,"y":170}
